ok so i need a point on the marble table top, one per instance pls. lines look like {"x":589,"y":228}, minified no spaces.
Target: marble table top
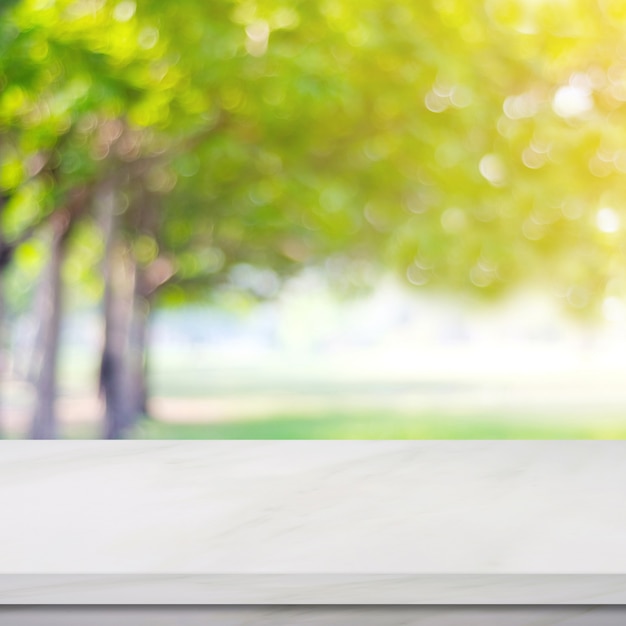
{"x":253,"y":522}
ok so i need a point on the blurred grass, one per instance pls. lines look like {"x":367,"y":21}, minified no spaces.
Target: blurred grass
{"x":376,"y":426}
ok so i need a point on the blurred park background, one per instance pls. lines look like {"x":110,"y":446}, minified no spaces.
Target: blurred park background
{"x":333,"y":219}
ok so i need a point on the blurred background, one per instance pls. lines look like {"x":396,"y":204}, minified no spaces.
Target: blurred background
{"x":282,"y":219}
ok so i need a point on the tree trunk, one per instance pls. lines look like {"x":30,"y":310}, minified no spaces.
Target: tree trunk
{"x":5,"y":257}
{"x":123,"y":369}
{"x":117,"y":306}
{"x":137,"y":357}
{"x":129,"y":291}
{"x":4,"y":350}
{"x":114,"y":382}
{"x":50,"y":309}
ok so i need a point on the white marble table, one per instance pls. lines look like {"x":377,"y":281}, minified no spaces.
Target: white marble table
{"x":305,"y":522}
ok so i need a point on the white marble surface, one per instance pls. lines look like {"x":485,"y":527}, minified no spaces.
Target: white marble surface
{"x":150,"y":521}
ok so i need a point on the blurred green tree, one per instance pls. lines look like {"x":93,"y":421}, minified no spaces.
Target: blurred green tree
{"x":470,"y":146}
